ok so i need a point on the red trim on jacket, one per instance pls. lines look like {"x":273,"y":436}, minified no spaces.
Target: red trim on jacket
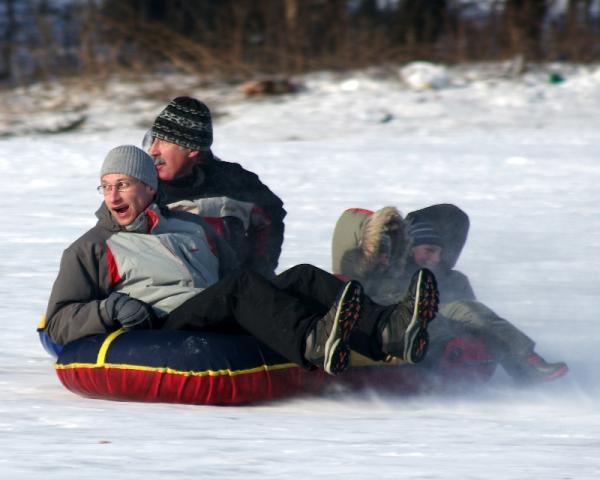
{"x":217,"y":223}
{"x":360,"y":210}
{"x":154,"y":219}
{"x":113,"y":270}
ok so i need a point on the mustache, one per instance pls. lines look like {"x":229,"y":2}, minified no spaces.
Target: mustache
{"x":159,"y":161}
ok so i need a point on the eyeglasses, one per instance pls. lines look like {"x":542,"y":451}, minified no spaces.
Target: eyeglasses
{"x":121,"y":186}
{"x":149,"y":141}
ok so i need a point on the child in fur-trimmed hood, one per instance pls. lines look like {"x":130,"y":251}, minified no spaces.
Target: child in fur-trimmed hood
{"x":382,"y":250}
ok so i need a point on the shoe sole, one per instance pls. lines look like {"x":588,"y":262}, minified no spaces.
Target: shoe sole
{"x":425,"y":306}
{"x":337,"y":350}
{"x":563,"y":370}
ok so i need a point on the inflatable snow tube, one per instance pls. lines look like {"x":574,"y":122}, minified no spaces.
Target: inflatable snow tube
{"x":205,"y":368}
{"x":180,"y":367}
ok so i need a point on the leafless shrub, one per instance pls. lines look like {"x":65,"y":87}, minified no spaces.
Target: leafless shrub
{"x":237,"y":39}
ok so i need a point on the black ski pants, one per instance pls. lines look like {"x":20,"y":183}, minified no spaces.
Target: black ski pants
{"x":279,"y":312}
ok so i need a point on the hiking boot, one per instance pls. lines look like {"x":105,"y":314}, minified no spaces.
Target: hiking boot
{"x":534,"y":369}
{"x":327,"y":343}
{"x":404,"y":335}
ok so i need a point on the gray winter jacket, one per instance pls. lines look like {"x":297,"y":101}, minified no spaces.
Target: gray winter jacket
{"x":355,"y":244}
{"x":169,"y":258}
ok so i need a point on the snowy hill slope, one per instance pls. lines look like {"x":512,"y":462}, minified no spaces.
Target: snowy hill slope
{"x":520,"y":155}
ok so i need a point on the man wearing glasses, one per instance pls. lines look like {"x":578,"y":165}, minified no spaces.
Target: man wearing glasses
{"x":142,"y":267}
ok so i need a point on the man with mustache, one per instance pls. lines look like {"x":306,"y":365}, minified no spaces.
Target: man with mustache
{"x":238,"y":205}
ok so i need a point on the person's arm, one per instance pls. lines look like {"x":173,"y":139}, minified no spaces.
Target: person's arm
{"x":75,"y":306}
{"x":228,"y":260}
{"x":265,"y":236}
{"x":266,"y":230}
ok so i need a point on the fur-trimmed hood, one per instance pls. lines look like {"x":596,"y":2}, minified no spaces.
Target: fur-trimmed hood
{"x":357,"y":238}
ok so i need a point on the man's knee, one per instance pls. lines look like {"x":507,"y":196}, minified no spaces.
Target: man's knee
{"x":302,"y":270}
{"x":306,"y":269}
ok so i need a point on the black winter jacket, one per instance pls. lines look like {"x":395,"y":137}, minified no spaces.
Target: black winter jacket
{"x":246,"y":212}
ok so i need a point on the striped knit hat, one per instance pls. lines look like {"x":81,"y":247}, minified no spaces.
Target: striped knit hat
{"x":424,"y":233}
{"x":185,"y":121}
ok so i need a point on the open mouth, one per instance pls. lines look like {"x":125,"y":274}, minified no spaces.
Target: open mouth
{"x":121,"y":211}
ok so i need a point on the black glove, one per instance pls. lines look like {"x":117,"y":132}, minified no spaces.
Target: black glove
{"x":131,"y":313}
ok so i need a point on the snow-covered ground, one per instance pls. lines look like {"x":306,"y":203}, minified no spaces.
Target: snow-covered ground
{"x":521,"y":155}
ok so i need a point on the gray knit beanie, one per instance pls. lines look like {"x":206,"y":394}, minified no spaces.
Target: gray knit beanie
{"x":133,"y":161}
{"x":186,"y":122}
